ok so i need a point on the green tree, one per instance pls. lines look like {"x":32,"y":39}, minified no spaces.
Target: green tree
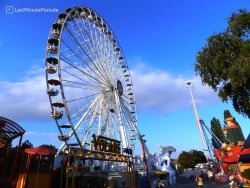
{"x":227,"y":114}
{"x":186,"y":160}
{"x":224,"y":63}
{"x":48,"y":146}
{"x":26,"y":144}
{"x":199,"y":157}
{"x":191,"y":158}
{"x":217,"y":130}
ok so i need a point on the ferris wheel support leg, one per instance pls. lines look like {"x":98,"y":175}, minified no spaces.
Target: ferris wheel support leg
{"x":124,"y":137}
{"x":60,"y":149}
{"x":145,"y":160}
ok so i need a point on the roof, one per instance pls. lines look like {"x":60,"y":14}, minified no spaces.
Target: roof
{"x":9,"y":130}
{"x":40,"y":151}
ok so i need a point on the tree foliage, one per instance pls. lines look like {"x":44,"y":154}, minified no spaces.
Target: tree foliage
{"x":227,"y":114}
{"x":199,"y":157}
{"x":217,"y":130}
{"x":186,"y":160}
{"x":191,"y":158}
{"x":48,"y":146}
{"x":224,"y":62}
{"x":26,"y":144}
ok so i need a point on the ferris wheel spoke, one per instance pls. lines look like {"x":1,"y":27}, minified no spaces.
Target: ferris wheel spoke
{"x":91,"y":51}
{"x":73,"y":100}
{"x":79,"y":122}
{"x":121,"y":122}
{"x":90,"y":95}
{"x":91,"y":77}
{"x":94,"y":40}
{"x":80,"y":82}
{"x":91,"y":70}
{"x":94,"y":75}
{"x":93,"y":118}
{"x":79,"y":85}
{"x":86,"y":54}
{"x":91,"y":106}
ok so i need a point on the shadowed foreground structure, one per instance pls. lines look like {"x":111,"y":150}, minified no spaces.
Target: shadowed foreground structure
{"x":9,"y":131}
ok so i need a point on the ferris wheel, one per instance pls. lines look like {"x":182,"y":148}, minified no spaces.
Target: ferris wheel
{"x":88,"y":81}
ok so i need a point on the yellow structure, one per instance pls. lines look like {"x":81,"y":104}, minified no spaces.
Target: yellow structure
{"x":34,"y":180}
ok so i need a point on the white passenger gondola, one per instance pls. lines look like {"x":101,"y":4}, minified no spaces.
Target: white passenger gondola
{"x":52,"y":92}
{"x":55,"y":114}
{"x":50,"y":69}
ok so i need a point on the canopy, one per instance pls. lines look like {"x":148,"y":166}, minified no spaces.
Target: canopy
{"x":40,"y":151}
{"x":9,"y":130}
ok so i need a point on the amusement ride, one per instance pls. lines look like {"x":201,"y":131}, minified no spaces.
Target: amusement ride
{"x":91,"y":92}
{"x":230,"y":155}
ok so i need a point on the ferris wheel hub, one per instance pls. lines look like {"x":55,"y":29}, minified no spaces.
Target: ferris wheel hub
{"x":119,"y":87}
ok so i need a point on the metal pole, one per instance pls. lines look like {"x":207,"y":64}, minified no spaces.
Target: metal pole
{"x":189,"y":85}
{"x":145,"y":160}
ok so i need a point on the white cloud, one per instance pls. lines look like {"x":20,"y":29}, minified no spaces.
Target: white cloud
{"x":161,"y":92}
{"x":25,"y":99}
{"x":156,"y":91}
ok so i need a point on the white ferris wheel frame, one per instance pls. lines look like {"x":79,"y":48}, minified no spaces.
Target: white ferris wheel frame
{"x":88,"y":81}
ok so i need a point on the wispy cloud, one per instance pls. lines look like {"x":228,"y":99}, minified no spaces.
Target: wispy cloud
{"x":25,"y":99}
{"x":156,"y":91}
{"x":161,"y":92}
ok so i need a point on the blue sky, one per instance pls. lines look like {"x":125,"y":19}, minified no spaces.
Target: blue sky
{"x":160,"y":39}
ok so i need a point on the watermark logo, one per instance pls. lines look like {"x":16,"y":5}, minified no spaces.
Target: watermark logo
{"x":9,"y":9}
{"x":12,"y":10}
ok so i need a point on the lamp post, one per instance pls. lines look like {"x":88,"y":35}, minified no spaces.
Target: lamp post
{"x":189,"y":85}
